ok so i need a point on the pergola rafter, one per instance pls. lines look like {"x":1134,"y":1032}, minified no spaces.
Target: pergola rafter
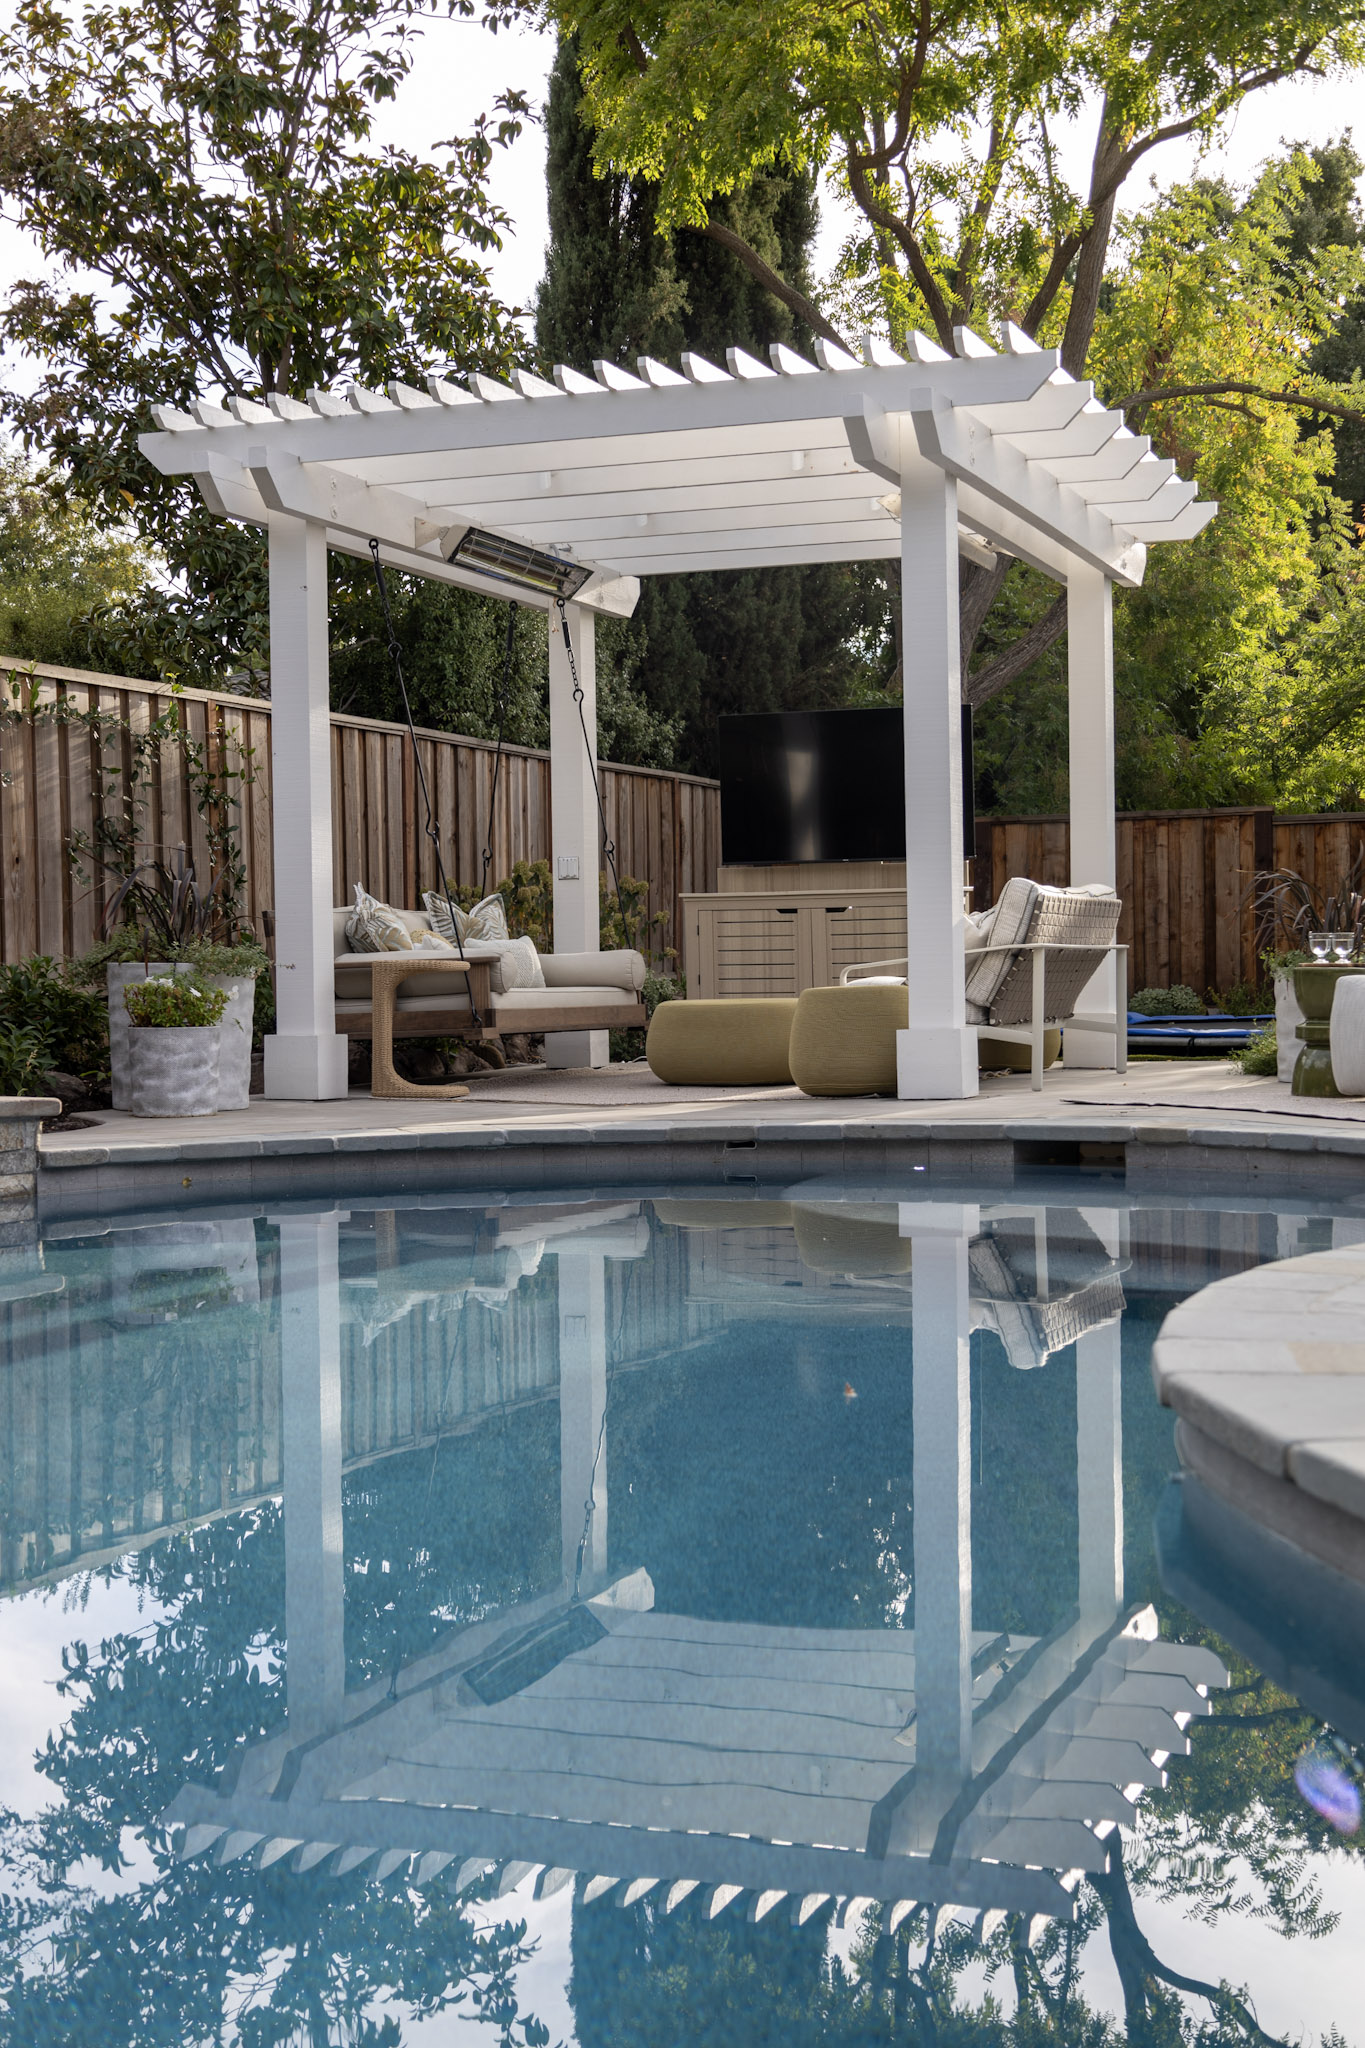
{"x":753,"y":465}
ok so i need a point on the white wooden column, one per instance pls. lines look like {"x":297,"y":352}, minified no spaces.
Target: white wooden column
{"x":1099,"y":1475}
{"x":314,"y":1584}
{"x":582,"y":1409}
{"x":305,"y":1058}
{"x":1090,"y":705}
{"x":941,"y":1411}
{"x":936,"y":1057}
{"x":575,"y":830}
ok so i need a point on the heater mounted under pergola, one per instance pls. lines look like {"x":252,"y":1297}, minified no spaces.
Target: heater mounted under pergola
{"x":571,"y":491}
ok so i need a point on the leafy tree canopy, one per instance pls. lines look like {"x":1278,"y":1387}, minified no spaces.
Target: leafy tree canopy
{"x":1238,"y":663}
{"x":57,"y":563}
{"x":206,"y":187}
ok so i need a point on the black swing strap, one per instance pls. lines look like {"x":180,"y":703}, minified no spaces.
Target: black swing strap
{"x":431,"y":827}
{"x":608,"y":843}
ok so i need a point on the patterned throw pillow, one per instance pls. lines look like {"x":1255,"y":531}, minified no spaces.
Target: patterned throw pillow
{"x":375,"y":927}
{"x":485,"y":924}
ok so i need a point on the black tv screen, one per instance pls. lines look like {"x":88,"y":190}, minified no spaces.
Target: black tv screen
{"x":819,"y":785}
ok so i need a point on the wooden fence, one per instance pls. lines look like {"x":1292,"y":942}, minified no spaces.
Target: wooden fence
{"x":666,"y":827}
{"x":1184,"y":878}
{"x":1183,"y":875}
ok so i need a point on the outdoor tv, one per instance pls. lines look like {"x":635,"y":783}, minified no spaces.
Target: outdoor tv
{"x":820,"y":785}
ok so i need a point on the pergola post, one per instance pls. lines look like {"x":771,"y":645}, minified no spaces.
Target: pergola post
{"x":1090,"y":706}
{"x":310,"y":1398}
{"x":936,"y":1056}
{"x":305,"y":1059}
{"x":574,"y":826}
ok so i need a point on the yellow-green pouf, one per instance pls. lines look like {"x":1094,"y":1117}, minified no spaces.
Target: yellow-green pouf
{"x":996,"y":1056}
{"x":734,"y":1044}
{"x":844,"y":1039}
{"x":856,"y":1243}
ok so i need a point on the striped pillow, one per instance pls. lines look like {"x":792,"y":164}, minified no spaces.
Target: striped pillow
{"x":485,"y":924}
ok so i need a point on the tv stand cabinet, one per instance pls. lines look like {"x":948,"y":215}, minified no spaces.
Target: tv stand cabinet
{"x":774,"y":931}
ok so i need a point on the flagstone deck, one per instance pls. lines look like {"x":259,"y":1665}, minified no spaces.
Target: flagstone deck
{"x":1178,"y":1122}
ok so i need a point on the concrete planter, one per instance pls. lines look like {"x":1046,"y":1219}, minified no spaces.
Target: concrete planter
{"x":1288,"y":1017}
{"x":234,"y":1037}
{"x":234,"y":1031}
{"x":173,"y":1069}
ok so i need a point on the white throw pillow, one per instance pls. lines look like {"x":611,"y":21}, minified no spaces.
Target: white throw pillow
{"x":513,"y":964}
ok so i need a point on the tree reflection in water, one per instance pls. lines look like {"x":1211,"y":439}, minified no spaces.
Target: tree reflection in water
{"x":746,"y":1497}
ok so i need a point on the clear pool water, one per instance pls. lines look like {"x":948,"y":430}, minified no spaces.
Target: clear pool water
{"x":711,"y":1618}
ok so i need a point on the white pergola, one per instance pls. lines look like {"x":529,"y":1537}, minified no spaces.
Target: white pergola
{"x":618,"y":476}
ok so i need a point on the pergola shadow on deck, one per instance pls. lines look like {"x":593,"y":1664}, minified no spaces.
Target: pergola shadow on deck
{"x":561,"y":495}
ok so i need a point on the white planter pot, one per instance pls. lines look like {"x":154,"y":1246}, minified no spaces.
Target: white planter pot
{"x":234,"y":1031}
{"x":174,"y":1069}
{"x":1288,"y":1017}
{"x":234,"y":1037}
{"x":1348,"y":1035}
{"x":119,"y":975}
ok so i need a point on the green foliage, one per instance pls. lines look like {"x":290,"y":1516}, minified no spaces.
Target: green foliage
{"x":173,"y":1001}
{"x":1240,"y":662}
{"x":1179,"y":1001}
{"x":23,"y":1058}
{"x":58,"y":564}
{"x":1261,"y":1055}
{"x":214,"y":171}
{"x":1243,"y":999}
{"x":53,"y":1020}
{"x":617,"y":285}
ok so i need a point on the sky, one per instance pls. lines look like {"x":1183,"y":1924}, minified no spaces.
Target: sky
{"x":462,"y":67}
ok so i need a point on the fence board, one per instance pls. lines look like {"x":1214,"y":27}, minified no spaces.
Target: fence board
{"x":1184,"y":876}
{"x":667,"y":827}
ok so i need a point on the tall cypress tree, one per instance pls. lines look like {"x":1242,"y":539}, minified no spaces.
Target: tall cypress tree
{"x":723,"y":640}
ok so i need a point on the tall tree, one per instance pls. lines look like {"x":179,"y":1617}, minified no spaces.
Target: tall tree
{"x":616,"y":287}
{"x":206,"y":187}
{"x":941,"y":125}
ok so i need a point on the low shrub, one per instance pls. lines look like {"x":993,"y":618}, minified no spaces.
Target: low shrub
{"x":172,"y":1001}
{"x":1244,"y":999}
{"x":1260,"y":1055}
{"x":48,"y":1005}
{"x":1166,"y":1002}
{"x":23,"y":1059}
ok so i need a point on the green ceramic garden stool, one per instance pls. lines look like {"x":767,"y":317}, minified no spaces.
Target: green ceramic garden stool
{"x":1315,"y":987}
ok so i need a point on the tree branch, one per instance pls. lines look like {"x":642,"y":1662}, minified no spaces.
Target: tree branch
{"x":1309,"y":400}
{"x":1125,"y":1934}
{"x":882,"y":217}
{"x":989,"y":681}
{"x":804,"y":308}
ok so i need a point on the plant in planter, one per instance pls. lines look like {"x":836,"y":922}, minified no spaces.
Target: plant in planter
{"x":159,"y":916}
{"x":173,"y":1045}
{"x":1288,"y":907}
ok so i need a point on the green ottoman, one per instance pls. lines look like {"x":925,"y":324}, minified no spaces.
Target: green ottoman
{"x":844,"y":1039}
{"x":733,"y":1044}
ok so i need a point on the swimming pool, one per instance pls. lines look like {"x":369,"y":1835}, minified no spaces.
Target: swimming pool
{"x":679,"y":1618}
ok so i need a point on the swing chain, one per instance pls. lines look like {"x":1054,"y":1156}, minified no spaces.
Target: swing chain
{"x":497,"y":751}
{"x":432,"y":829}
{"x":608,"y":843}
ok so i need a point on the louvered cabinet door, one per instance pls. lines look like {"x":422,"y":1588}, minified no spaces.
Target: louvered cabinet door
{"x":742,"y":946}
{"x":860,"y":928}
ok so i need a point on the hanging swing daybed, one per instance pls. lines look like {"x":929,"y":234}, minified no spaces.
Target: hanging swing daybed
{"x":388,"y":995}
